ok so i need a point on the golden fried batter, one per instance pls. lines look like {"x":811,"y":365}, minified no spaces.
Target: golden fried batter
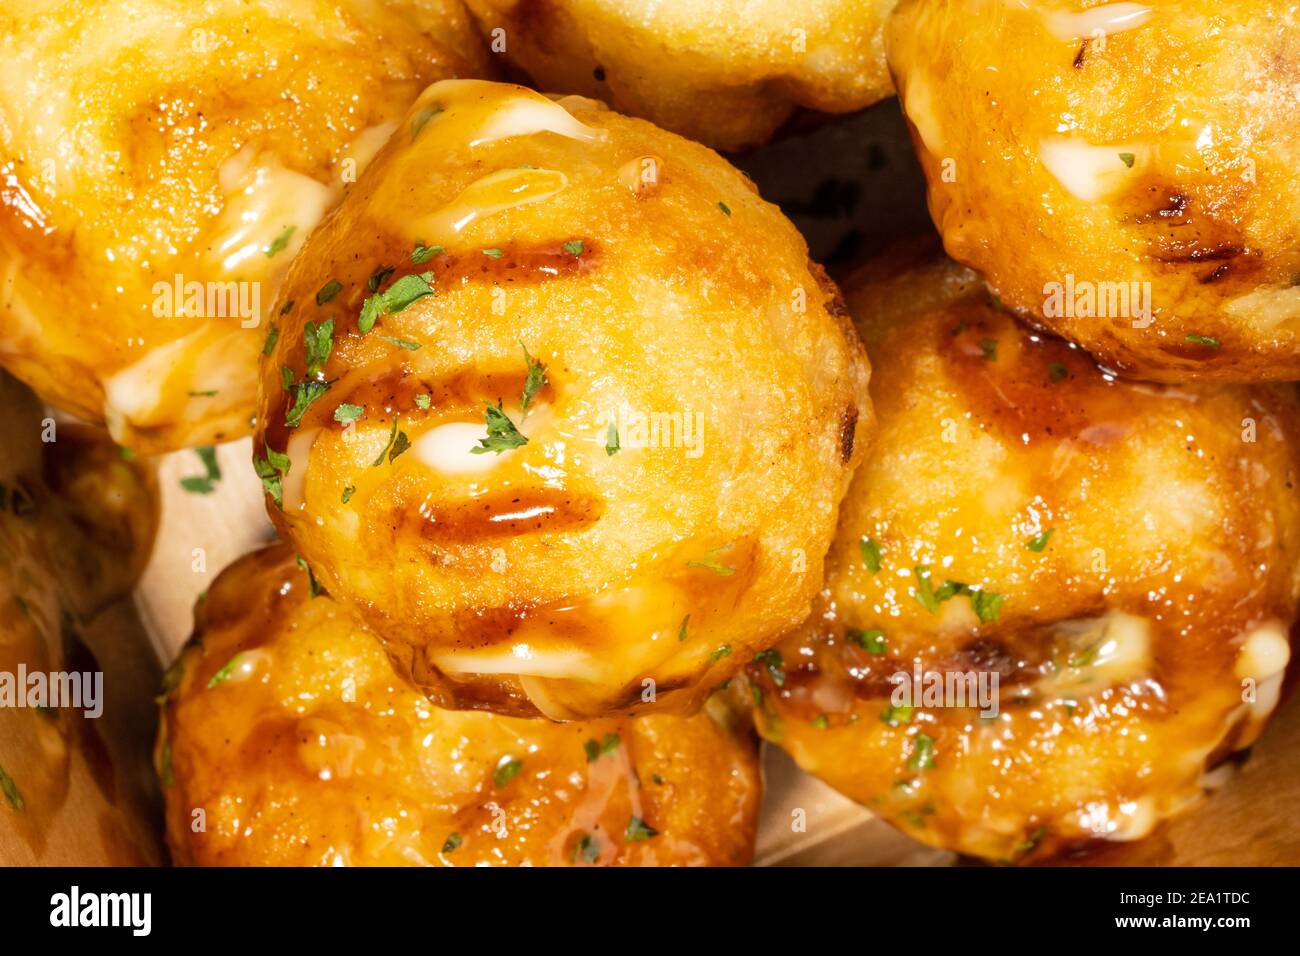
{"x":559,"y":403}
{"x":161,"y":161}
{"x":722,"y":72}
{"x":1122,"y":557}
{"x":1121,"y":173}
{"x":288,"y":735}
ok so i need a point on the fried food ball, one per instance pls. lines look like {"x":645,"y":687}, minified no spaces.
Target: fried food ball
{"x":288,"y":733}
{"x":1120,"y":558}
{"x":75,"y":683}
{"x":560,"y":404}
{"x":161,"y":162}
{"x":721,"y":72}
{"x":1121,"y":173}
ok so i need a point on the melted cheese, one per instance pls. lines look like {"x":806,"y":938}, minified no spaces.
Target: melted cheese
{"x":299,"y":452}
{"x":448,"y":449}
{"x":1089,"y":172}
{"x":477,"y":112}
{"x":494,"y":193}
{"x":1097,"y":21}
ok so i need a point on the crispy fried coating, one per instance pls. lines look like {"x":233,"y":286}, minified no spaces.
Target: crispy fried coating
{"x":161,"y":161}
{"x":721,"y":72}
{"x":288,"y":735}
{"x":1121,"y":173}
{"x":561,"y":406}
{"x":1120,"y":557}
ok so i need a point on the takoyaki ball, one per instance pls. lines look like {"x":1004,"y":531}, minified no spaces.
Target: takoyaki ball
{"x":287,"y":739}
{"x":1121,"y":558}
{"x":1121,"y":173}
{"x":560,"y":404}
{"x":161,"y":161}
{"x":722,"y":72}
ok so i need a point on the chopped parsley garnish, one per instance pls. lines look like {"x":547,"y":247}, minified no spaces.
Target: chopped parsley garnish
{"x":207,"y":394}
{"x":870,"y":554}
{"x":681,"y":631}
{"x":573,"y":247}
{"x":507,"y":769}
{"x":422,"y":253}
{"x":493,"y":253}
{"x":596,"y":749}
{"x":535,"y":381}
{"x":708,"y":564}
{"x":287,"y":307}
{"x":379,"y":277}
{"x":348,"y":492}
{"x":221,"y":676}
{"x":894,"y":716}
{"x":1039,"y":541}
{"x":165,"y":773}
{"x":304,"y":394}
{"x":924,"y":593}
{"x":922,"y":753}
{"x":348,"y":413}
{"x":11,"y":791}
{"x":990,"y":349}
{"x":725,"y":208}
{"x":452,"y":843}
{"x":394,"y":299}
{"x":821,"y":721}
{"x":313,"y":587}
{"x":422,"y":117}
{"x":585,"y":849}
{"x":771,"y":659}
{"x":286,"y":377}
{"x":612,"y":447}
{"x":986,"y":605}
{"x":319,"y":342}
{"x":872,"y":641}
{"x":392,"y":434}
{"x":1056,"y":372}
{"x":423,"y":401}
{"x":328,"y":291}
{"x":638,"y":829}
{"x":280,"y":242}
{"x":204,"y":484}
{"x":1207,"y":340}
{"x":502,"y":434}
{"x":400,"y":444}
{"x":720,"y":653}
{"x":1127,"y":159}
{"x":401,"y":343}
{"x":272,"y":470}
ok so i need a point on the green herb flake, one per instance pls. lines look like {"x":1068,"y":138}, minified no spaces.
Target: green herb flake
{"x":11,"y":791}
{"x":1056,"y":372}
{"x":870,"y":553}
{"x":422,"y":117}
{"x":709,"y":564}
{"x":1207,"y":340}
{"x":821,"y":722}
{"x":638,"y":829}
{"x":348,"y":413}
{"x":392,"y":435}
{"x":720,"y":653}
{"x":280,"y":242}
{"x":573,"y":247}
{"x":379,"y":277}
{"x":595,"y":749}
{"x":401,"y":343}
{"x":987,"y":605}
{"x":422,"y":253}
{"x":872,"y":641}
{"x":771,"y":660}
{"x":328,"y":291}
{"x":502,"y":434}
{"x":726,"y":210}
{"x":304,"y":395}
{"x":423,"y":401}
{"x":493,"y":253}
{"x":681,"y":631}
{"x":896,"y":716}
{"x":313,"y":586}
{"x":452,"y":843}
{"x":922,"y":757}
{"x":204,"y":484}
{"x":348,"y":492}
{"x":318,"y":338}
{"x":990,"y":349}
{"x":535,"y":381}
{"x":223,"y":675}
{"x":507,"y":769}
{"x":1127,"y":159}
{"x":612,"y":446}
{"x":1038,"y":543}
{"x":399,"y":295}
{"x":586,"y":849}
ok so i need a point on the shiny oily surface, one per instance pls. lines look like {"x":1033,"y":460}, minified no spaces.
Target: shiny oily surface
{"x":75,"y":522}
{"x":287,"y":732}
{"x":1093,"y":159}
{"x":1128,"y":555}
{"x":695,"y":401}
{"x":722,"y":72}
{"x":161,"y":161}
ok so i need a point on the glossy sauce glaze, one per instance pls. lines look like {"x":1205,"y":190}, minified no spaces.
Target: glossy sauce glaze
{"x":681,"y":392}
{"x":161,"y":164}
{"x":1121,"y":174}
{"x":287,"y":732}
{"x":1122,"y":557}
